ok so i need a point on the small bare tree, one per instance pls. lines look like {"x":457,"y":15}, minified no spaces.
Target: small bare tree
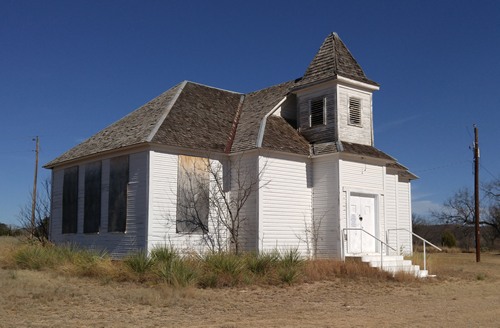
{"x":211,"y":197}
{"x":311,"y":236}
{"x":42,"y":214}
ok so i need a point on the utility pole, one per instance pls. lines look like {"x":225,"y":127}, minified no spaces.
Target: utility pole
{"x":33,"y":203}
{"x":476,"y":194}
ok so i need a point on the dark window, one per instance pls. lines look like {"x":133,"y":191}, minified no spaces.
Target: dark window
{"x":355,"y":111}
{"x":70,"y":200}
{"x":118,"y":182}
{"x":192,"y":195}
{"x":92,"y":211}
{"x":317,"y":112}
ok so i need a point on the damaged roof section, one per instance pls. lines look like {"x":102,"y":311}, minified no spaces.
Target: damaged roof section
{"x":255,"y":107}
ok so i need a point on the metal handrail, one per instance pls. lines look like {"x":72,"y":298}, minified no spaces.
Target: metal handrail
{"x":369,"y":234}
{"x":424,"y":241}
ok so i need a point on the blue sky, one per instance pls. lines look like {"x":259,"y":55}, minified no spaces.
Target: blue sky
{"x":70,"y":68}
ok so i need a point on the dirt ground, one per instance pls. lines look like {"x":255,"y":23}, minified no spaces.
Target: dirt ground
{"x":464,"y":294}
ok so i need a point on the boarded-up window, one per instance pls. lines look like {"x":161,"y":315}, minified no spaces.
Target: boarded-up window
{"x":92,"y":211}
{"x":192,"y":195}
{"x":70,"y":200}
{"x":354,"y":111}
{"x":118,"y":181}
{"x":317,"y":112}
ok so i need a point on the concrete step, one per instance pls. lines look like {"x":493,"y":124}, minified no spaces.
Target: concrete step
{"x":376,"y":257}
{"x":391,"y":264}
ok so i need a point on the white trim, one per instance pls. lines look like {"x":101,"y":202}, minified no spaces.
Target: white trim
{"x":262,"y":127}
{"x":357,"y":83}
{"x":260,"y":211}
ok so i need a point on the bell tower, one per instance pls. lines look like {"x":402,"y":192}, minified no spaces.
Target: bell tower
{"x":334,"y":97}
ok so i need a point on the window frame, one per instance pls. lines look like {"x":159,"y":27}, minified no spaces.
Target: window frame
{"x":193,"y":183}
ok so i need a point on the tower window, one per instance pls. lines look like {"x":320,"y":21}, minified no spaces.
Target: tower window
{"x":317,"y":112}
{"x":354,"y":111}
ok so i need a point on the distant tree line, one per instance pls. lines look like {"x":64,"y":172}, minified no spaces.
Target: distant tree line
{"x":9,"y":230}
{"x":456,"y":219}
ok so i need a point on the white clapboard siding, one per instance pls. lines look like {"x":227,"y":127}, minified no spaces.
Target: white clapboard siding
{"x":244,"y":171}
{"x":404,"y":217}
{"x":162,"y":198}
{"x":362,"y":176}
{"x":326,"y":206}
{"x":55,"y":223}
{"x":163,"y":207}
{"x":284,"y":204}
{"x":116,"y":244}
{"x":391,"y":208}
{"x":163,"y":204}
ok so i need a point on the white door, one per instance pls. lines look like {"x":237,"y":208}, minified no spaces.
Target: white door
{"x":361,"y":215}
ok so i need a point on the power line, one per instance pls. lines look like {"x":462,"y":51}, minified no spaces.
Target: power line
{"x":488,"y":171}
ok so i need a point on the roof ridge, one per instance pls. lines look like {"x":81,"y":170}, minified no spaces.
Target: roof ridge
{"x":211,"y":87}
{"x":271,"y":86}
{"x":234,"y":126}
{"x":166,"y":111}
{"x":334,"y":51}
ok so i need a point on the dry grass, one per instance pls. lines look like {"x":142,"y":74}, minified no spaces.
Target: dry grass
{"x":166,"y":266}
{"x":326,"y":293}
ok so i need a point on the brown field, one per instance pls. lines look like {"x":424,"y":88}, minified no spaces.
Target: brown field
{"x":464,"y":294}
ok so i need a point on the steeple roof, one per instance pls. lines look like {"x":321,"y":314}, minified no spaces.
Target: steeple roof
{"x":333,"y":59}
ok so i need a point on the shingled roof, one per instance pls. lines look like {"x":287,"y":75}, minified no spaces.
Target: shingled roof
{"x":333,"y":59}
{"x":189,"y":115}
{"x":133,"y":129}
{"x":255,"y":106}
{"x":195,"y":116}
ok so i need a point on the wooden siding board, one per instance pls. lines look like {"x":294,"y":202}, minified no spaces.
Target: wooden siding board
{"x":404,"y":216}
{"x":391,"y":208}
{"x":56,"y":205}
{"x":247,"y":165}
{"x":163,"y":202}
{"x":326,"y":205}
{"x":285,"y":203}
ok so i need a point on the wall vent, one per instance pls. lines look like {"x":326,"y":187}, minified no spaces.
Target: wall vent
{"x":354,"y":111}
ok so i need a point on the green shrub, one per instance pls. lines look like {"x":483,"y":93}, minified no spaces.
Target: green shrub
{"x":35,"y":257}
{"x":139,"y":262}
{"x":222,"y":269}
{"x":163,"y":254}
{"x":290,"y":264}
{"x":261,"y":264}
{"x":448,"y":239}
{"x":288,"y":275}
{"x":177,"y":272}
